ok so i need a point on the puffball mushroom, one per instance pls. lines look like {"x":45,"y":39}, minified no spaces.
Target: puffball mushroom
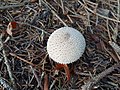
{"x":66,"y":45}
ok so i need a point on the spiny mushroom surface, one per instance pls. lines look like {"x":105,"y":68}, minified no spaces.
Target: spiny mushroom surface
{"x":66,"y":45}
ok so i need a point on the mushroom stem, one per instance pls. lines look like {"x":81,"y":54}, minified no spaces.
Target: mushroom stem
{"x":66,"y":68}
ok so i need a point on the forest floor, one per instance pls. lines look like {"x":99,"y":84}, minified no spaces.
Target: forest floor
{"x":25,"y":26}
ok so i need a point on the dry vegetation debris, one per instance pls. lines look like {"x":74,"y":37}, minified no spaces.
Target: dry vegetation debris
{"x":24,"y":62}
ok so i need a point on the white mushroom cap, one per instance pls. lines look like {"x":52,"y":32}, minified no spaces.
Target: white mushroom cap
{"x":66,"y":45}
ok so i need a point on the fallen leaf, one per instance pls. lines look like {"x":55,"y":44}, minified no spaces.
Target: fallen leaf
{"x":104,"y":12}
{"x":66,"y":68}
{"x":46,"y":82}
{"x":11,"y":26}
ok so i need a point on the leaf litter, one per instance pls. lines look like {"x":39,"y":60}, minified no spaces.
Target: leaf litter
{"x":23,"y":47}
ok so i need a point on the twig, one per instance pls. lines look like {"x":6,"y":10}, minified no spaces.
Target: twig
{"x":46,"y":82}
{"x":34,"y":27}
{"x":12,"y":54}
{"x":115,"y":31}
{"x":11,"y":6}
{"x":47,"y":4}
{"x":89,"y":85}
{"x":118,"y":9}
{"x":108,"y":31}
{"x":97,"y":13}
{"x":115,"y":47}
{"x":5,"y":84}
{"x":62,"y":5}
{"x":53,"y":83}
{"x":35,"y":75}
{"x":7,"y":64}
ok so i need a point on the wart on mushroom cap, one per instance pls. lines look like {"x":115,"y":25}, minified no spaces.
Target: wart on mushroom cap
{"x":66,"y":45}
